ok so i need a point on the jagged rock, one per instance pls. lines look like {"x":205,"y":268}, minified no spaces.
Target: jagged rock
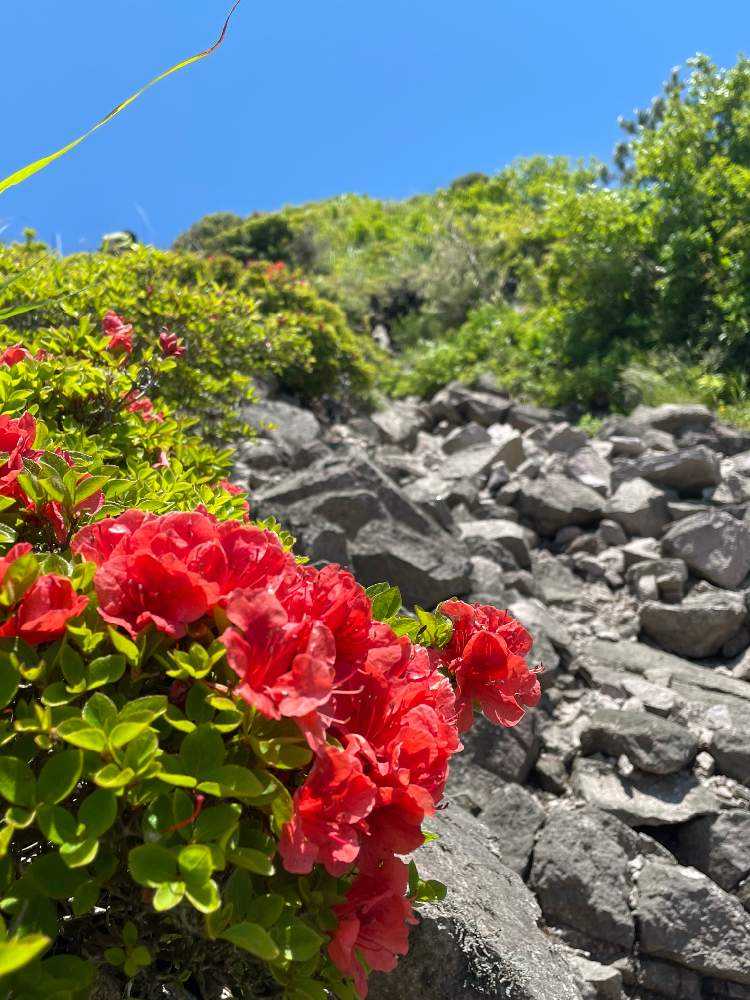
{"x":714,"y":545}
{"x":488,"y":578}
{"x":642,"y":800}
{"x":428,"y":569}
{"x":508,"y":753}
{"x":684,"y":917}
{"x":523,"y":416}
{"x":673,"y":417}
{"x":651,"y":743}
{"x":587,"y":466}
{"x":400,"y":422}
{"x":730,"y":746}
{"x":639,"y":508}
{"x":581,"y":877}
{"x":464,"y":437}
{"x":553,"y":581}
{"x":517,"y":540}
{"x":463,"y":950}
{"x":514,"y":816}
{"x":719,"y":846}
{"x":511,"y":450}
{"x":472,"y":463}
{"x":699,"y":626}
{"x":669,"y":576}
{"x":292,"y":427}
{"x":596,"y":981}
{"x":457,"y":403}
{"x":562,"y":437}
{"x":668,"y":980}
{"x":688,"y":470}
{"x":554,"y":501}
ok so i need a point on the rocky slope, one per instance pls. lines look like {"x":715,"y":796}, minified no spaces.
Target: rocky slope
{"x":623,"y":802}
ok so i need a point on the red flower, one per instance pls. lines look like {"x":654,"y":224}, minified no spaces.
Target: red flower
{"x":373,"y":923}
{"x":44,"y":610}
{"x":170,"y":344}
{"x":163,"y":460}
{"x":12,"y":355}
{"x":52,"y":511}
{"x":16,"y":443}
{"x":18,"y":550}
{"x":486,"y":659}
{"x":145,"y":408}
{"x":285,"y":668}
{"x":334,"y":799}
{"x":200,"y":562}
{"x":119,"y":332}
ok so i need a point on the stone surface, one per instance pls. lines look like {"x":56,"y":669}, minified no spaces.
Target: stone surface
{"x":686,"y":918}
{"x":652,"y":744}
{"x":719,"y":846}
{"x":508,"y":753}
{"x":554,"y":501}
{"x":514,"y":817}
{"x":516,"y":539}
{"x":673,"y":417}
{"x":639,"y":507}
{"x":699,"y":626}
{"x":484,"y":940}
{"x":689,"y":470}
{"x":714,"y":545}
{"x":642,"y":800}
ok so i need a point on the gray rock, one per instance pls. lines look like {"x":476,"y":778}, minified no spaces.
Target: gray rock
{"x":511,"y":450}
{"x":517,"y":540}
{"x":553,"y":581}
{"x":292,"y":427}
{"x":730,"y":746}
{"x":462,"y":438}
{"x":554,"y":501}
{"x":689,"y":470}
{"x":668,"y":980}
{"x":428,"y":569}
{"x":523,"y":416}
{"x":642,"y":800}
{"x":673,"y":417}
{"x":596,"y":981}
{"x":714,"y":545}
{"x":400,"y":422}
{"x":652,"y":744}
{"x":488,"y":578}
{"x":474,"y":462}
{"x":639,"y":508}
{"x":587,"y":466}
{"x":699,"y":626}
{"x":484,"y":939}
{"x":508,"y":753}
{"x":719,"y":846}
{"x":684,"y":917}
{"x":669,"y":575}
{"x":514,"y":816}
{"x":564,"y":438}
{"x":581,"y":877}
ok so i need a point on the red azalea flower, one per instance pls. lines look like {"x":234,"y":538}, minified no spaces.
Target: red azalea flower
{"x":162,"y":462}
{"x":16,"y":443}
{"x":373,"y":923}
{"x":12,"y":355}
{"x":285,"y":668}
{"x":334,"y":799}
{"x":44,"y":610}
{"x":119,"y":332}
{"x":170,"y":344}
{"x":486,"y":659}
{"x":145,"y":408}
{"x":18,"y":550}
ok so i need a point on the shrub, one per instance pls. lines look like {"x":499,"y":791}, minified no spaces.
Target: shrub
{"x":212,"y":756}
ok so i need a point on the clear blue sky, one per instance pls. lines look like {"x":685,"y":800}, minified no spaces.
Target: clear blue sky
{"x":308,"y":100}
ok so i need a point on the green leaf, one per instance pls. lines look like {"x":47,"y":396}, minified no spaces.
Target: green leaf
{"x":79,"y":853}
{"x":98,"y":812}
{"x":72,"y":668}
{"x":202,"y":751}
{"x":251,"y":860}
{"x":195,"y":864}
{"x":205,"y":897}
{"x":86,"y":898}
{"x":100,"y":712}
{"x":18,"y":176}
{"x":124,"y":645}
{"x":168,"y":895}
{"x":386,"y":601}
{"x":111,"y":776}
{"x":297,"y":940}
{"x":115,"y":956}
{"x":9,"y":679}
{"x":59,"y":776}
{"x":265,"y":910}
{"x":105,"y":670}
{"x":152,"y":865}
{"x":57,"y":824}
{"x":236,"y":781}
{"x":217,"y":822}
{"x":129,"y":934}
{"x":17,"y":952}
{"x":123,"y":732}
{"x":252,"y":938}
{"x":82,"y":735}
{"x":17,"y":783}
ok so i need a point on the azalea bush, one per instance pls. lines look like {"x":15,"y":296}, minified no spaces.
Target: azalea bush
{"x":214,"y":758}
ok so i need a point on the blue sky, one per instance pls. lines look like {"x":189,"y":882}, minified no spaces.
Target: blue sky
{"x":308,"y":100}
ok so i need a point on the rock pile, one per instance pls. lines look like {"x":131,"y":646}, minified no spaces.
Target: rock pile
{"x":623,"y":802}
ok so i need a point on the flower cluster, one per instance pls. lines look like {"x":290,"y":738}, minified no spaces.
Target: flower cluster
{"x":381,"y":714}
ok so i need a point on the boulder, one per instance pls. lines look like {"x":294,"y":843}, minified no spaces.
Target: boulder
{"x":553,"y":581}
{"x":283,"y":423}
{"x":524,"y":416}
{"x":685,"y":917}
{"x":514,"y":817}
{"x":639,"y":508}
{"x":427,"y":568}
{"x":642,"y":800}
{"x":580,"y":874}
{"x":511,"y":451}
{"x":596,"y":981}
{"x":517,"y":540}
{"x":587,"y":466}
{"x":484,"y":939}
{"x":689,"y":470}
{"x":650,"y":743}
{"x":471,"y":463}
{"x":564,"y":438}
{"x":719,"y":846}
{"x":464,"y":437}
{"x":715,"y":546}
{"x":400,"y":423}
{"x":508,"y":753}
{"x":699,"y":626}
{"x":673,"y":418}
{"x":554,"y":501}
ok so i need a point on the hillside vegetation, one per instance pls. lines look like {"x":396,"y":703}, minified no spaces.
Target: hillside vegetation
{"x":574,"y":283}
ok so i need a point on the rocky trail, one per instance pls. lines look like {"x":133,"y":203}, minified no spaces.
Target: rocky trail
{"x":602,"y":848}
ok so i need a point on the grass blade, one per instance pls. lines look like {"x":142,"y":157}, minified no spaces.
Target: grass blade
{"x":18,"y":176}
